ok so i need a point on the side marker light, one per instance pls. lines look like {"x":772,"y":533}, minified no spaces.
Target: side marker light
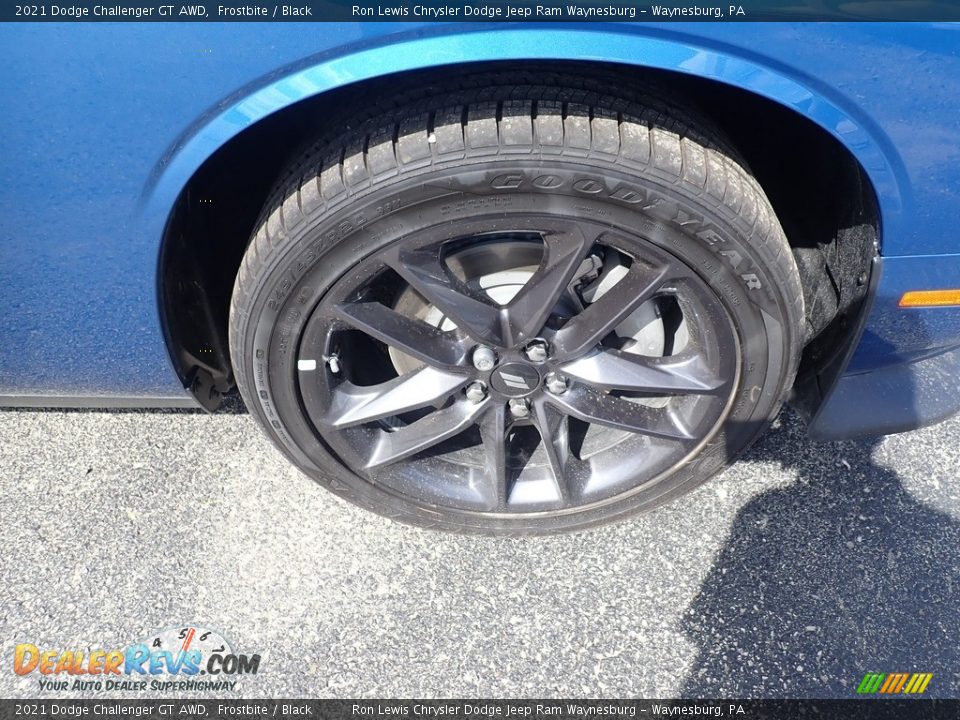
{"x":930,"y":298}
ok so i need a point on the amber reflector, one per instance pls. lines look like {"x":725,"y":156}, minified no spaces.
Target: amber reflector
{"x":930,"y":298}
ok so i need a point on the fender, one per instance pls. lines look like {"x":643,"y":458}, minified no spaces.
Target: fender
{"x":651,"y":48}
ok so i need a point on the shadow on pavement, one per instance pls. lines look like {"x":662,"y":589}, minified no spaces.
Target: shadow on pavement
{"x":840,"y":573}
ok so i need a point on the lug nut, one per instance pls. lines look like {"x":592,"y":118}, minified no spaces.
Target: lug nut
{"x":556,"y":384}
{"x":476,"y":392}
{"x":484,"y":358}
{"x":536,"y":351}
{"x":519,"y":408}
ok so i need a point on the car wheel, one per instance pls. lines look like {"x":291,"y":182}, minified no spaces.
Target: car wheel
{"x":517,"y":309}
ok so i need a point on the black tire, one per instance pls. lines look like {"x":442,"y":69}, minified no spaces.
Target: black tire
{"x":471,"y":156}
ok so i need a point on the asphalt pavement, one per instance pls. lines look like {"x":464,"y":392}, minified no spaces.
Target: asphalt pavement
{"x":792,"y":574}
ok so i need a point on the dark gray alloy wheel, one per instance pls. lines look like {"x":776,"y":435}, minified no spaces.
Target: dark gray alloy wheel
{"x":467,"y":330}
{"x":522,"y":367}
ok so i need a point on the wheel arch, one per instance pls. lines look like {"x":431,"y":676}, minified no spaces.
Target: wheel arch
{"x":207,"y":206}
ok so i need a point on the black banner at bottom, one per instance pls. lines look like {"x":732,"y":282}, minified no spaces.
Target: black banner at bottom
{"x":207,"y":709}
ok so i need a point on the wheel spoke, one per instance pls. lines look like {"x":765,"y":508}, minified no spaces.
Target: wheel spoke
{"x":554,"y":432}
{"x":389,"y":447}
{"x":427,"y":274}
{"x":672,"y":375}
{"x":598,"y":319}
{"x":356,"y":404}
{"x":529,"y":310}
{"x":493,"y":431}
{"x":414,"y":337}
{"x":595,"y":407}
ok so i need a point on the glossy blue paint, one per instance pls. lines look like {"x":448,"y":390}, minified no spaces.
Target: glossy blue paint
{"x":103,"y":126}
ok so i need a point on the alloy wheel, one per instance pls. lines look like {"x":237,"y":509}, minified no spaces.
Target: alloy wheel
{"x":518,"y":370}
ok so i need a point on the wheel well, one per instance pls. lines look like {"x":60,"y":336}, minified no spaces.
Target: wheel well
{"x":818,"y":189}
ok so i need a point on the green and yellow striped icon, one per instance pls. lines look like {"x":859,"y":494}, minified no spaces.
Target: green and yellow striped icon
{"x":892,"y":683}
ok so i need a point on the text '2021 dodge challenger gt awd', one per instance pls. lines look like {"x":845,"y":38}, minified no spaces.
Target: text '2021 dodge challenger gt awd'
{"x":485,"y":277}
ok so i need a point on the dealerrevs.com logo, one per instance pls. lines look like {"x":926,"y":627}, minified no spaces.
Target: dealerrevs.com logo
{"x":176,"y":659}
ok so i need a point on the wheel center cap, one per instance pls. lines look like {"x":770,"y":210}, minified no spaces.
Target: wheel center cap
{"x":515,"y":379}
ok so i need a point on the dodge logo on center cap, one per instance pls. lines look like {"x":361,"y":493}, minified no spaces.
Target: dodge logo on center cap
{"x":515,"y":379}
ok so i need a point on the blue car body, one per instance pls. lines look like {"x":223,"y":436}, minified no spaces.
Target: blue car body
{"x":104,"y":125}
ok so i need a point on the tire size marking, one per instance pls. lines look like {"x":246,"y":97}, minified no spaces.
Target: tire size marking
{"x":476,"y":203}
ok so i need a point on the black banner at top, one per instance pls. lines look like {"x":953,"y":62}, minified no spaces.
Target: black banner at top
{"x":479,"y":11}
